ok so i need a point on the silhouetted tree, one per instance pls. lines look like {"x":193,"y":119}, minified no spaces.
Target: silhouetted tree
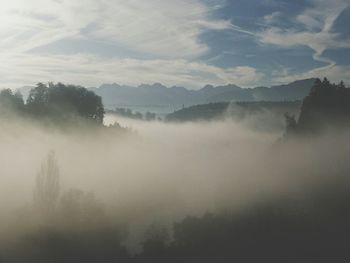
{"x":61,"y":101}
{"x":11,"y":102}
{"x":128,"y":113}
{"x":327,"y":105}
{"x":77,"y":100}
{"x":47,"y":188}
{"x":37,"y":102}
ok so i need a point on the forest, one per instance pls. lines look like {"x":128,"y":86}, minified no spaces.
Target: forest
{"x":101,"y":197}
{"x":55,"y":102}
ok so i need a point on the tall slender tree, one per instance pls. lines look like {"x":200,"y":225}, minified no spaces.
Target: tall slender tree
{"x":47,"y":188}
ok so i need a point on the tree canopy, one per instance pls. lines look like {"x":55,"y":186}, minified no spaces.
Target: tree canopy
{"x":327,"y":105}
{"x":57,"y":101}
{"x":10,"y":101}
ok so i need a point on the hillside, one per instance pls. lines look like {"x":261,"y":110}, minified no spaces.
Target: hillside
{"x":240,"y":110}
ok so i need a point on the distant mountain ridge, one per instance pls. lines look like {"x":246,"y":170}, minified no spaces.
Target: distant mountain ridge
{"x":114,"y":95}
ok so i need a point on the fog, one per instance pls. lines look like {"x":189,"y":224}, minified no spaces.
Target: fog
{"x":162,"y":172}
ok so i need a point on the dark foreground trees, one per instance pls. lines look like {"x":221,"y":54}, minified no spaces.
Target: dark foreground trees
{"x":326,"y":107}
{"x":47,"y":187}
{"x":307,"y":228}
{"x":56,"y":102}
{"x":63,"y":226}
{"x":11,"y":102}
{"x":315,"y":229}
{"x":59,"y":100}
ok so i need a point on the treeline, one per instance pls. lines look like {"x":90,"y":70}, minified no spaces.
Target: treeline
{"x":128,"y":113}
{"x":314,"y":229}
{"x":56,"y":102}
{"x":326,"y":107}
{"x":237,"y":110}
{"x":205,"y":112}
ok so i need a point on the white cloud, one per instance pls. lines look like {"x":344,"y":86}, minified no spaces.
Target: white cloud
{"x":322,"y":15}
{"x":168,"y":30}
{"x":317,"y":22}
{"x":272,"y":18}
{"x":161,"y":27}
{"x":92,"y":70}
{"x":317,"y":41}
{"x":335,"y":73}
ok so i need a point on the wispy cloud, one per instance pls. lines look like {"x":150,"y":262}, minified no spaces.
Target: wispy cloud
{"x":334,"y":73}
{"x":273,"y":17}
{"x":163,"y":28}
{"x":317,"y":23}
{"x":89,"y":70}
{"x":168,"y":30}
{"x":132,"y":41}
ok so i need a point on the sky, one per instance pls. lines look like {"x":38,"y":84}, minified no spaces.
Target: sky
{"x":187,"y":43}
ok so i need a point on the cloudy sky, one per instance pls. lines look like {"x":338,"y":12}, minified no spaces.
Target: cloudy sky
{"x":184,"y":42}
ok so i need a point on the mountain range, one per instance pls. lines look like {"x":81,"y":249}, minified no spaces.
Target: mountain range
{"x":158,"y":95}
{"x":115,"y":95}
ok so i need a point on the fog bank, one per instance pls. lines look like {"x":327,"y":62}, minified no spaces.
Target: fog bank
{"x":164,"y":172}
